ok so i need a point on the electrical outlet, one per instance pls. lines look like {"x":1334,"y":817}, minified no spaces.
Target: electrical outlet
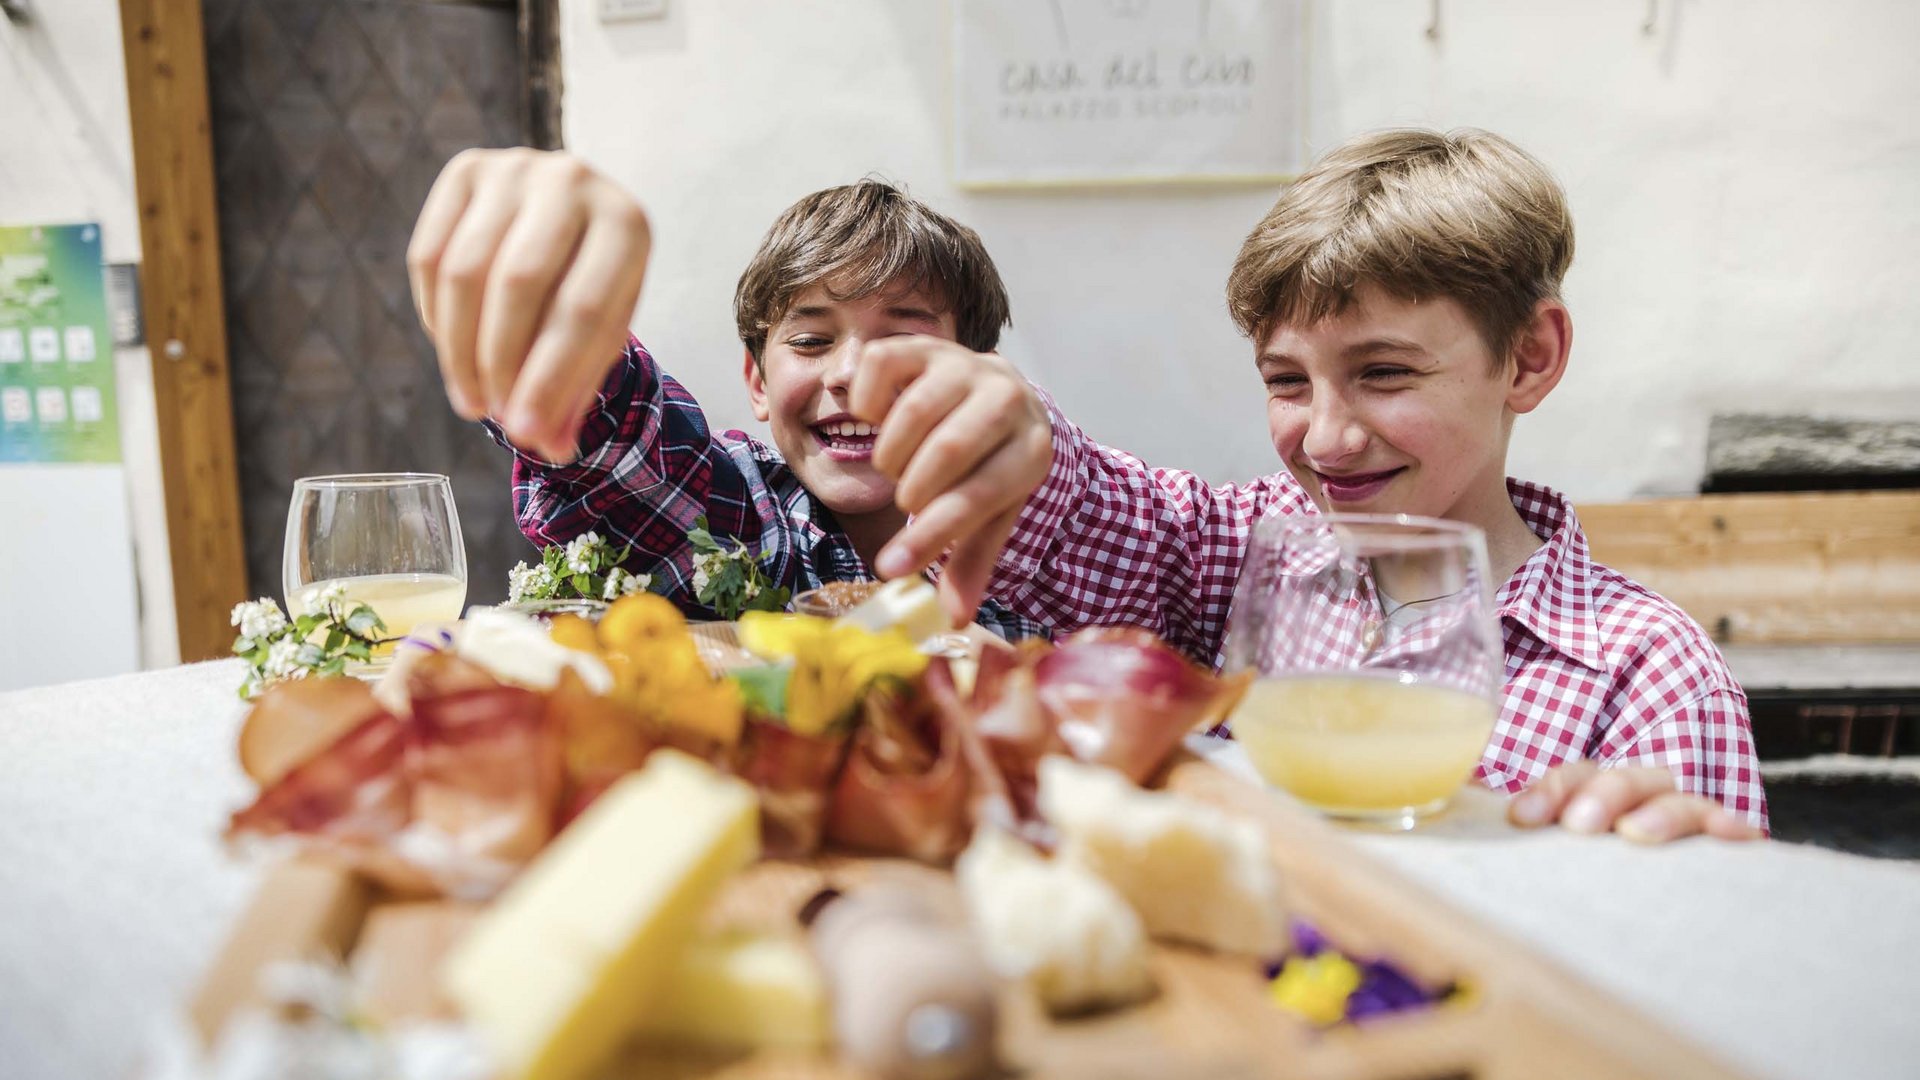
{"x":612,"y":11}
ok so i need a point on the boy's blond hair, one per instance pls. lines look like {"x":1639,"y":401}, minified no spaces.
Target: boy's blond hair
{"x":860,"y":239}
{"x":1466,"y":215}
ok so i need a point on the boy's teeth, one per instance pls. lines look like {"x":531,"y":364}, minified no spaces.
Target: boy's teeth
{"x":850,"y":430}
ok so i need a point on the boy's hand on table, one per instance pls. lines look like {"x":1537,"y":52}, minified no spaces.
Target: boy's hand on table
{"x":967,"y":440}
{"x":1640,"y":803}
{"x":526,"y":266}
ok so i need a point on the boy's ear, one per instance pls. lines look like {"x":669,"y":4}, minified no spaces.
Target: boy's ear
{"x":756,"y":386}
{"x":1539,"y":356}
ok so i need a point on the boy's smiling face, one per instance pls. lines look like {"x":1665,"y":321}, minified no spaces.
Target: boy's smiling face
{"x":1394,"y":406}
{"x":799,"y":388}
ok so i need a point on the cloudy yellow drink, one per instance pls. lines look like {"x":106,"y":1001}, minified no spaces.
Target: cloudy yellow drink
{"x":403,"y":601}
{"x":1363,"y":745}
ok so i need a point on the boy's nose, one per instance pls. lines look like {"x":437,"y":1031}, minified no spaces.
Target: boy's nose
{"x":1333,"y":432}
{"x":841,"y":366}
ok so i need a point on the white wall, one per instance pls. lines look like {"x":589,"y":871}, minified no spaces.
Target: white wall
{"x":70,"y":534}
{"x":1745,"y":182}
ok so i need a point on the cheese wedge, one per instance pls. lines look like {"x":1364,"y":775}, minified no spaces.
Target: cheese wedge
{"x":743,"y":990}
{"x":559,"y":971}
{"x":909,"y":604}
{"x":1053,"y":924}
{"x":1194,"y":873}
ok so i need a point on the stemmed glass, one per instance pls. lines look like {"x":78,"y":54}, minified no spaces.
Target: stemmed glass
{"x":391,"y":540}
{"x":1376,"y":661}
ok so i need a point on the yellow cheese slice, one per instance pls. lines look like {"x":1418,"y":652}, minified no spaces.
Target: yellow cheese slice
{"x":558,"y":972}
{"x":743,"y":990}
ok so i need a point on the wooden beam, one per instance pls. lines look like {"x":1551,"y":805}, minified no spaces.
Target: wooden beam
{"x":540,"y":73}
{"x":186,"y":318}
{"x":1816,"y":567}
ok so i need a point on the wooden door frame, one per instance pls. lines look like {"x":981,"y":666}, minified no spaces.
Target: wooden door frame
{"x":185,"y":311}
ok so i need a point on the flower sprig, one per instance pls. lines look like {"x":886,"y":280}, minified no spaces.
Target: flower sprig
{"x":729,"y":580}
{"x":320,"y":642}
{"x":585,"y":568}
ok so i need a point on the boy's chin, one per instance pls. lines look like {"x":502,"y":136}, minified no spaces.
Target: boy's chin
{"x":859,"y":490}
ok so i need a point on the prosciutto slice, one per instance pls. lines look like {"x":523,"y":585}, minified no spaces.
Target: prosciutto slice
{"x":1123,"y":698}
{"x":905,"y":787}
{"x":451,"y":799}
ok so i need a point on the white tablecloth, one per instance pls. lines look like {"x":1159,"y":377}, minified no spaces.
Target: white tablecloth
{"x":115,"y":892}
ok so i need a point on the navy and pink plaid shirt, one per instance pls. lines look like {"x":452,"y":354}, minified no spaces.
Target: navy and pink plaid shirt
{"x":1596,"y":665}
{"x":649,"y":466}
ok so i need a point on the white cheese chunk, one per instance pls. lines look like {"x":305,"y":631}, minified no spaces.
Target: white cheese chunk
{"x":1053,"y":924}
{"x":1194,"y":873}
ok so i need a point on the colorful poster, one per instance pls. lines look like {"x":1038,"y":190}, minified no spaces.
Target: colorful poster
{"x":56,"y":353}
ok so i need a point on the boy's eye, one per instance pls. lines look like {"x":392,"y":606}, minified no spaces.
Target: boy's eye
{"x":1384,"y":372}
{"x":808,"y":343}
{"x":1285,"y":384}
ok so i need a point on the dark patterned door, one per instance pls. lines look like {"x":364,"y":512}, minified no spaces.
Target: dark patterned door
{"x":331,"y":120}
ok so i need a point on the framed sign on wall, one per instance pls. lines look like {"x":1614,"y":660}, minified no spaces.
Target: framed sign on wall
{"x":1079,"y":92}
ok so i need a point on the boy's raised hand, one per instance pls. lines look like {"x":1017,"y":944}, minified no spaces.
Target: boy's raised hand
{"x":1640,"y":803}
{"x":526,"y":266}
{"x":966,"y":440}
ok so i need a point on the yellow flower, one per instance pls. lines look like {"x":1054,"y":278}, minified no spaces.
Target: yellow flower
{"x":656,"y":666}
{"x":834,"y":663}
{"x":641,"y":617}
{"x":1316,"y":987}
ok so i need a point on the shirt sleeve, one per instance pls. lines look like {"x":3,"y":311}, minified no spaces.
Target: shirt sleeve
{"x":1707,"y":743}
{"x":648,"y":466}
{"x":1108,"y":541}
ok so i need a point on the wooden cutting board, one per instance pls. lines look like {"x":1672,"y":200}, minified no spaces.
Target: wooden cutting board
{"x":1522,"y":1018}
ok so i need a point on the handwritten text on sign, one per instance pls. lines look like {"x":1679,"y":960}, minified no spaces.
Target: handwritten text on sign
{"x":1062,"y":91}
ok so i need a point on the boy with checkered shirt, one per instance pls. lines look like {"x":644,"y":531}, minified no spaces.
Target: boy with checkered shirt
{"x":1403,"y":298}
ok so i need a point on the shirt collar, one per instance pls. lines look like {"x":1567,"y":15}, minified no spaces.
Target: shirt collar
{"x":1551,"y":595}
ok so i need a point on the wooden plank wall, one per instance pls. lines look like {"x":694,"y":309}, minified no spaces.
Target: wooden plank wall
{"x":186,"y":321}
{"x":1801,"y":568}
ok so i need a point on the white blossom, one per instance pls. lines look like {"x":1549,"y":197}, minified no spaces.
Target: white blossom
{"x":700,"y":578}
{"x":620,"y":583}
{"x":582,"y":551}
{"x":330,"y":596}
{"x":520,"y":582}
{"x":753,"y":588}
{"x":283,"y":660}
{"x":260,"y":619}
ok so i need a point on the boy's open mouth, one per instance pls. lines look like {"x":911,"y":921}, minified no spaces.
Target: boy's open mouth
{"x":846,"y":440}
{"x":1356,"y":487}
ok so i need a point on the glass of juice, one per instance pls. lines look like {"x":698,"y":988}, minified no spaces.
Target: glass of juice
{"x":390,"y":540}
{"x":1376,"y":659}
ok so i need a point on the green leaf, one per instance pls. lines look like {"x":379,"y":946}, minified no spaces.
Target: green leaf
{"x":358,"y":650}
{"x":306,"y":624}
{"x":764,"y":688}
{"x":332,"y":667}
{"x":364,"y":622}
{"x":334,"y":638}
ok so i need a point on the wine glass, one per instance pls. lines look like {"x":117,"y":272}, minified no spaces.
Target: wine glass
{"x":1376,"y":661}
{"x":389,"y":540}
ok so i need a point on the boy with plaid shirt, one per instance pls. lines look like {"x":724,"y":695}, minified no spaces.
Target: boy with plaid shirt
{"x":526,"y":267}
{"x":1403,"y":300}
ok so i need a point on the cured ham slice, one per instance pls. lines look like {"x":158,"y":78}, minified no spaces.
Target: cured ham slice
{"x":793,"y":774}
{"x":452,"y":799}
{"x":1123,"y":698}
{"x":907,"y":781}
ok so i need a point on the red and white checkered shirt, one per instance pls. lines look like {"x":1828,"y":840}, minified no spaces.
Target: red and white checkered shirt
{"x":1596,"y":665}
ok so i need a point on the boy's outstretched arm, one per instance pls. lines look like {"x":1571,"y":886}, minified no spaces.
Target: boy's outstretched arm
{"x":966,"y":440}
{"x":526,"y":266}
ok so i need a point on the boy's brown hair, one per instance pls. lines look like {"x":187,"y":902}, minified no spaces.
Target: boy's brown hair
{"x":862,"y":238}
{"x":1466,"y":215}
